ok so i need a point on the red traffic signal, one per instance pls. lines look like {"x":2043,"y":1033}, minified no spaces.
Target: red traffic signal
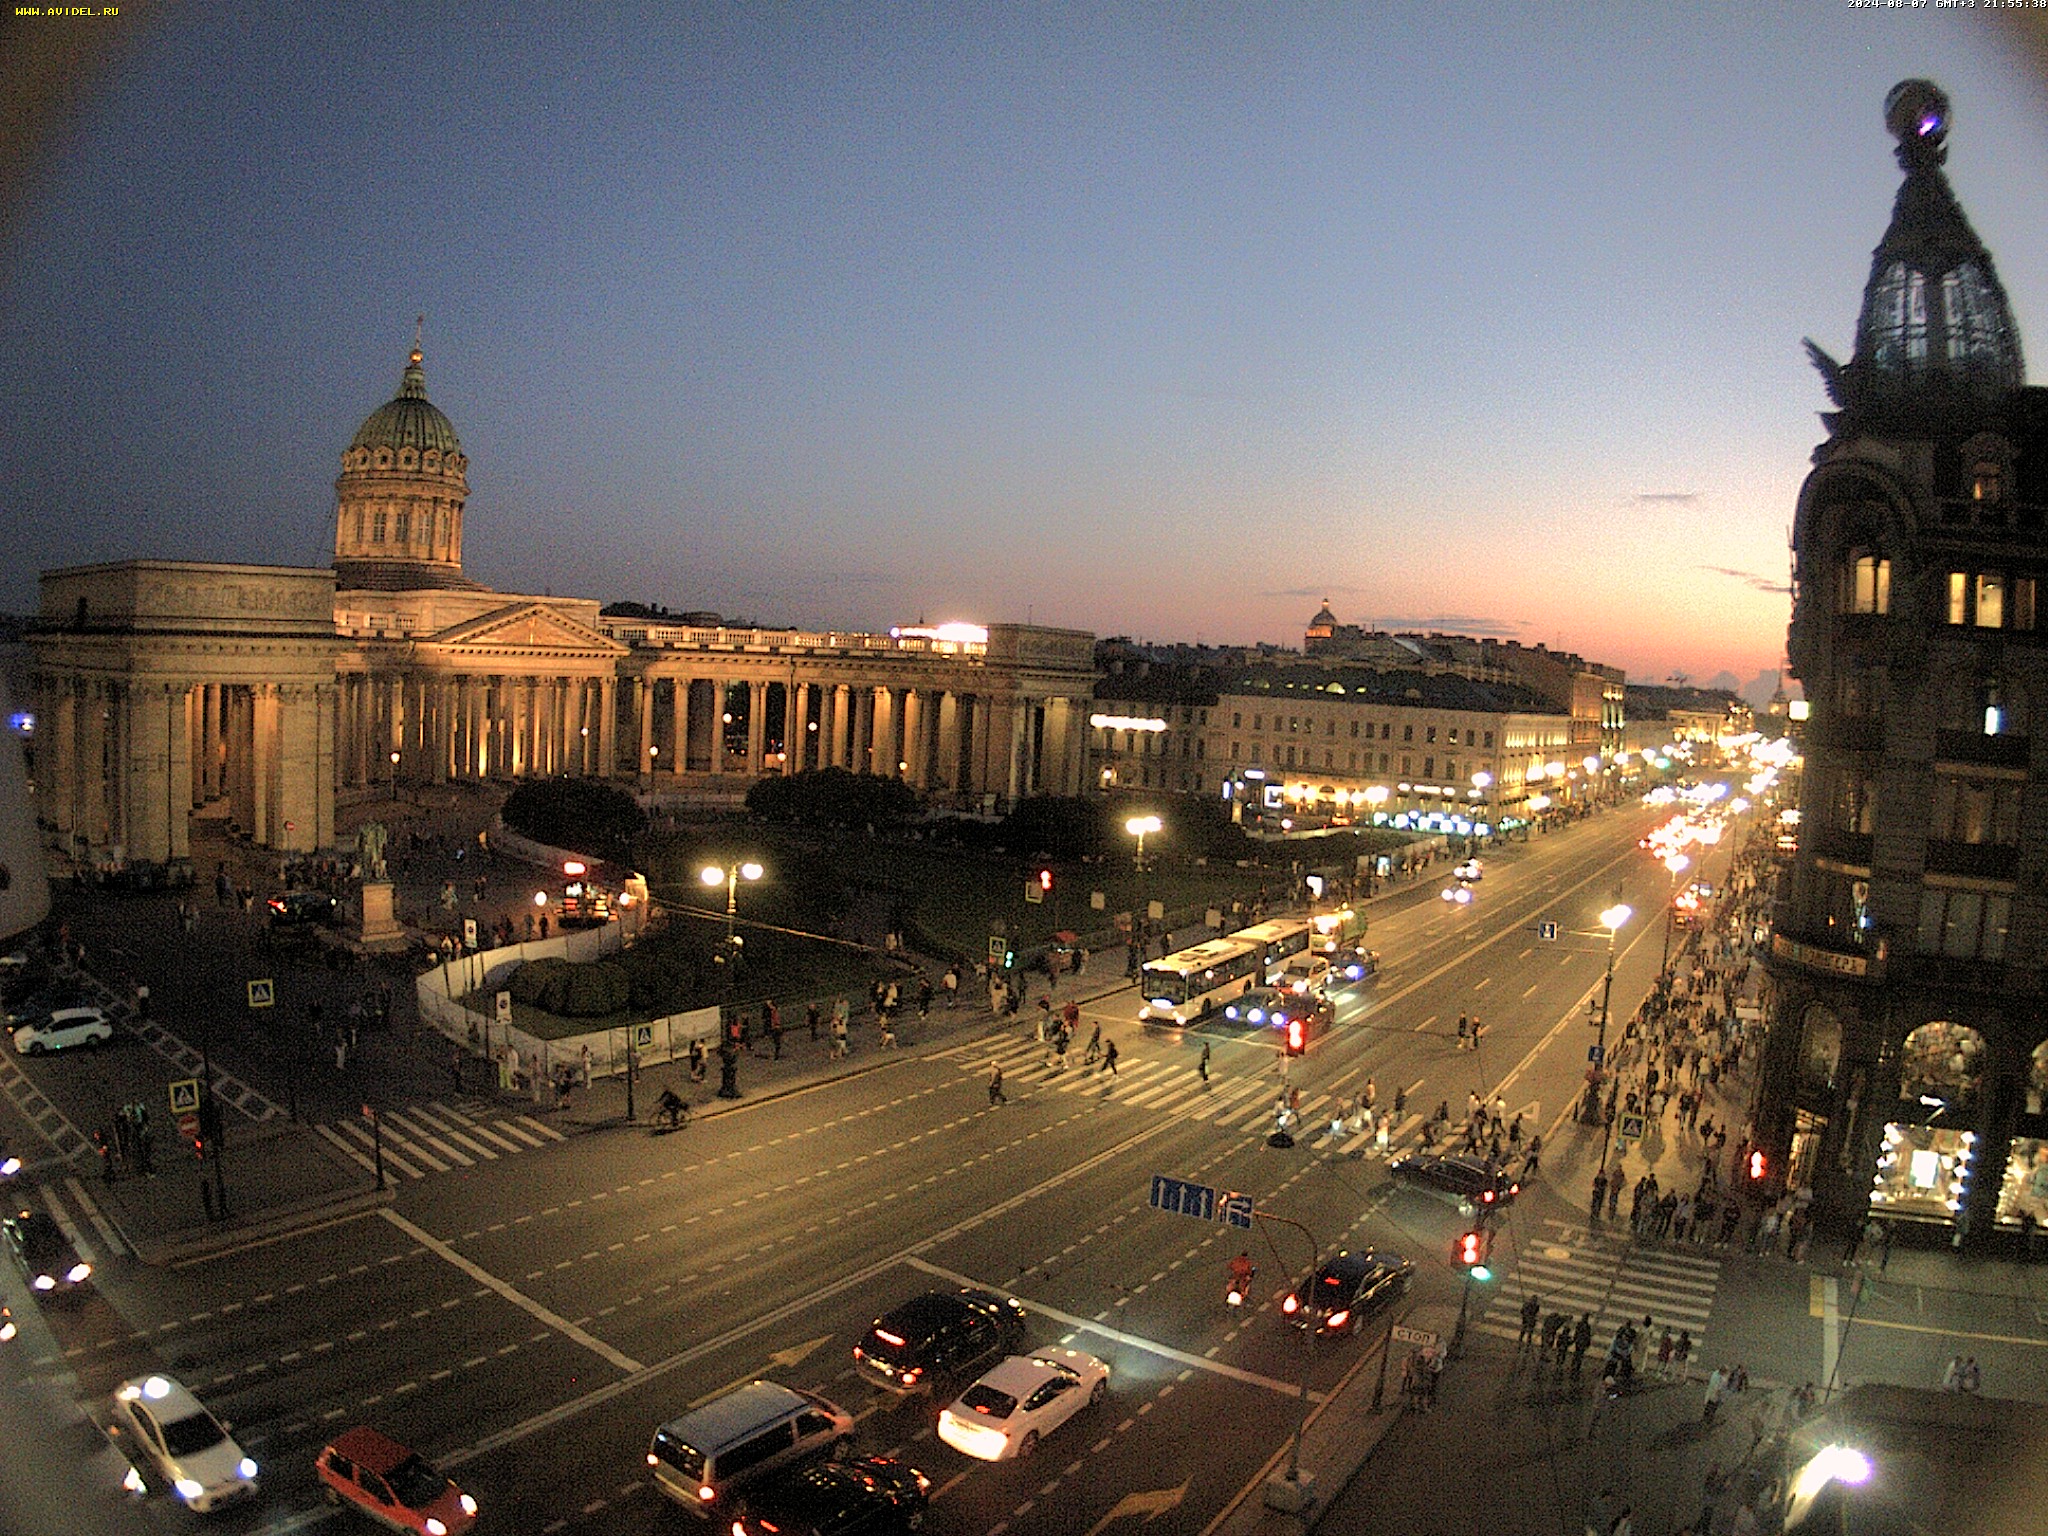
{"x":1470,"y":1249}
{"x":1045,"y":879}
{"x":1757,"y":1165}
{"x":1297,"y":1037}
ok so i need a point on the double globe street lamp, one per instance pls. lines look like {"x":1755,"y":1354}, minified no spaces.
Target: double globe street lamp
{"x":728,"y":959}
{"x":1612,"y":920}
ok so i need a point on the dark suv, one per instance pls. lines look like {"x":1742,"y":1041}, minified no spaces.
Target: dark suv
{"x":873,"y":1496}
{"x":1469,"y":1181}
{"x":939,"y":1334}
{"x":297,"y":908}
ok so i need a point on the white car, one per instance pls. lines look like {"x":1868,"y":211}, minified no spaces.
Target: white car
{"x":62,"y":1030}
{"x":1004,"y":1414}
{"x":1458,"y":895}
{"x":186,"y":1444}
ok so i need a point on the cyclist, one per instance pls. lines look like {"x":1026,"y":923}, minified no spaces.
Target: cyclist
{"x":672,"y":1106}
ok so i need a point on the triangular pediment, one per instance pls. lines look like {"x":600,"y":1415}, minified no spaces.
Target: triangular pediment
{"x":523,"y":629}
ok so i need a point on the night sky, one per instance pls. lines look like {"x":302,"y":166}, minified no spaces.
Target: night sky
{"x":1160,"y":320}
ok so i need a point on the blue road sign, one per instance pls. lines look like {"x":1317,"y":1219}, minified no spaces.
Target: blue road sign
{"x":1183,"y":1197}
{"x":1546,"y":930}
{"x":1237,"y":1211}
{"x":1594,"y":1053}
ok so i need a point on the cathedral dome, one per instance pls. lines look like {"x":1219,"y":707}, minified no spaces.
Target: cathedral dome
{"x":409,"y":419}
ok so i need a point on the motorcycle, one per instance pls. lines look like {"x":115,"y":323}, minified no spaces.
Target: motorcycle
{"x":1239,"y":1289}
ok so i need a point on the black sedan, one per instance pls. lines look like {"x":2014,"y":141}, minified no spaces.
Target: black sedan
{"x":945,"y":1335}
{"x":1348,"y":1291}
{"x":296,"y":909}
{"x":48,"y":1261}
{"x":1472,"y":1182}
{"x":873,"y":1496}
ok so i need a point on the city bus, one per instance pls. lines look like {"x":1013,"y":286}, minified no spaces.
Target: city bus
{"x":1278,"y":940}
{"x":1186,"y":985}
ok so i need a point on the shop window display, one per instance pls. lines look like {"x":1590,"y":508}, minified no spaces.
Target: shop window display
{"x":1820,"y":1049}
{"x":2024,"y":1198}
{"x":2037,"y":1080}
{"x":1943,"y":1062}
{"x":1923,"y":1171}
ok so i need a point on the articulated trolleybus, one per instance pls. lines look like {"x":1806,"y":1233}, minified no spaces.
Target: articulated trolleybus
{"x":1278,"y":941}
{"x":1185,"y":986}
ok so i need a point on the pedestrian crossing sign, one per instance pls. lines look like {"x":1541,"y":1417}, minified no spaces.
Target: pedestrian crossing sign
{"x":185,"y":1096}
{"x":262,"y":994}
{"x":643,"y":1037}
{"x":1632,"y":1127}
{"x":1546,"y":930}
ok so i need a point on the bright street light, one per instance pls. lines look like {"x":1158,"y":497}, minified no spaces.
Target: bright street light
{"x":1612,"y":920}
{"x":1138,"y":826}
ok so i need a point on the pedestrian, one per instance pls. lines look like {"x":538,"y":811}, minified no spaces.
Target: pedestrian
{"x":1463,"y":1029}
{"x":1665,"y":1345}
{"x":950,"y":984}
{"x":1973,"y":1378}
{"x":1202,"y":1066}
{"x":1582,"y":1340}
{"x":1532,"y":1313}
{"x":1717,"y":1388}
{"x":995,"y":1084}
{"x":1383,"y":1135}
{"x":812,"y":1017}
{"x":340,"y":1051}
{"x":1681,"y":1351}
{"x":1553,"y":1325}
{"x":838,"y":1036}
{"x":1599,"y":1191}
{"x":1400,"y":1102}
{"x":583,"y":1065}
{"x":697,"y":1060}
{"x":1624,"y":1523}
{"x":1109,"y":1058}
{"x":1094,"y":1046}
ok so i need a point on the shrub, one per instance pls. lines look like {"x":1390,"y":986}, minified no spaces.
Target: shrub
{"x":584,"y":814}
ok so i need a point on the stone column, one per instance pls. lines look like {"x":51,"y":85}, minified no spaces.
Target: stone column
{"x":443,"y":717}
{"x":607,"y":726}
{"x":949,"y":722}
{"x":146,"y":790}
{"x":302,"y":762}
{"x":864,"y":729}
{"x":60,"y":708}
{"x":643,"y":719}
{"x":757,"y":728}
{"x":678,"y":749}
{"x":796,"y":715}
{"x":915,"y":713}
{"x":93,"y":822}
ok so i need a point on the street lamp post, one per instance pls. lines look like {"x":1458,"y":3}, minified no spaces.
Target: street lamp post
{"x":728,"y":1057}
{"x":1678,"y":864}
{"x":394,"y":778}
{"x":1612,"y":920}
{"x":1138,"y":826}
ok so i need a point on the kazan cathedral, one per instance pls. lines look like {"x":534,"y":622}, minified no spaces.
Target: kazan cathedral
{"x":164,"y":689}
{"x":1906,"y":1064}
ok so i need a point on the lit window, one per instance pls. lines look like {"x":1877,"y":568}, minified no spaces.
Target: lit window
{"x":1959,"y":597}
{"x":1869,"y":584}
{"x":1987,"y":483}
{"x":1991,"y":601}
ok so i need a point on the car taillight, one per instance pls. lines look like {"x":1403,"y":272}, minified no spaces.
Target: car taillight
{"x":859,"y":1353}
{"x":706,"y":1492}
{"x":1486,"y":1197}
{"x":653,"y":1460}
{"x":913,"y":1373}
{"x":1291,"y":1305}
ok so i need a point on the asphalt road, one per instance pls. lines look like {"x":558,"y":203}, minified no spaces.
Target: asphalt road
{"x":528,"y":1321}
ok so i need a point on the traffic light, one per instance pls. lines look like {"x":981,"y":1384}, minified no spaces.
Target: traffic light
{"x":1297,"y":1037}
{"x":1045,"y":880}
{"x":1758,"y":1167}
{"x":1470,"y":1253}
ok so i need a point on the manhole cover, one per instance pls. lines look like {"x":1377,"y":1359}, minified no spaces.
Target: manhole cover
{"x":1557,"y":1253}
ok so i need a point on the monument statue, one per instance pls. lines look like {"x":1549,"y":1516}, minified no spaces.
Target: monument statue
{"x":370,"y":850}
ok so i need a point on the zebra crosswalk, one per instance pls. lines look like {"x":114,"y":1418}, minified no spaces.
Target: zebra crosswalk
{"x":1573,"y":1269}
{"x":1174,"y":1086}
{"x":435,"y":1137}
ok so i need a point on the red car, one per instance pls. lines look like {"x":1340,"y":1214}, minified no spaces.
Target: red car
{"x":392,"y":1485}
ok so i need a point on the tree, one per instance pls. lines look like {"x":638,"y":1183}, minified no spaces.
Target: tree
{"x":832,"y":797}
{"x":584,"y":814}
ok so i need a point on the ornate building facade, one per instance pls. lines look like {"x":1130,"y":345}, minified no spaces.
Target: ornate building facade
{"x":164,"y":688}
{"x":1906,"y":1064}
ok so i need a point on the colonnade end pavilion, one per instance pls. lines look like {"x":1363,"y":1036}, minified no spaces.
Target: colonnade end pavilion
{"x":166,"y":688}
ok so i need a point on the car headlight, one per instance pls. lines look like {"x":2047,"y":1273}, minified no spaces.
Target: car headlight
{"x":7,"y":1329}
{"x":78,"y":1272}
{"x":435,"y":1527}
{"x":1337,"y":1319}
{"x":44,"y":1283}
{"x":9,"y":1167}
{"x":188,"y":1489}
{"x":247,"y":1467}
{"x":468,"y":1505}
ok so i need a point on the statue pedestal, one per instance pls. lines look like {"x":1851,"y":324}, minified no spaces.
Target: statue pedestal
{"x":380,"y":922}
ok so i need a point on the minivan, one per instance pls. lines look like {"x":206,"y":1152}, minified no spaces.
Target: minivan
{"x":739,"y":1437}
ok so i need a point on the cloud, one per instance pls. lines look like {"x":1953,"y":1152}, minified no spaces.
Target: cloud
{"x":1752,"y":579}
{"x":1668,"y":498}
{"x":1315,"y":594}
{"x":1455,"y":624}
